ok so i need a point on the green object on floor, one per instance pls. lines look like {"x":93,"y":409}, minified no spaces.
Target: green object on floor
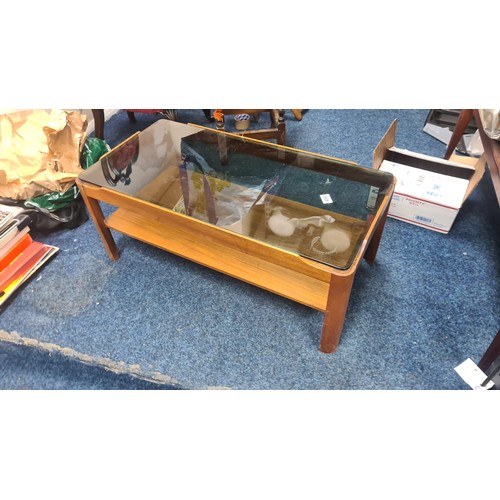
{"x":93,"y":149}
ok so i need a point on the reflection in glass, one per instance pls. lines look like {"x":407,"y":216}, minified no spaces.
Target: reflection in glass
{"x":117,"y":166}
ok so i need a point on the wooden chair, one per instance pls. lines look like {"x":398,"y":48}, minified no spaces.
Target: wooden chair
{"x":276,"y":131}
{"x":491,"y":146}
{"x":170,"y":114}
{"x":98,"y":115}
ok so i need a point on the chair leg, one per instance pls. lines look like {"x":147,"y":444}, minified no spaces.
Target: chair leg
{"x":208,"y":115}
{"x":131,"y":116}
{"x":462,"y":122}
{"x":281,"y":138}
{"x":491,"y":354}
{"x":98,"y":115}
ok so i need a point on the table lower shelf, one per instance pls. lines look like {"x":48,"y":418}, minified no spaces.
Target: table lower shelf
{"x":310,"y":289}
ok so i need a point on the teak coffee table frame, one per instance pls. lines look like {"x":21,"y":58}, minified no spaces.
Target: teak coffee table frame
{"x":284,"y":273}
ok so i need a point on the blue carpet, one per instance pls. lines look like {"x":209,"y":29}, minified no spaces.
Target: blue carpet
{"x":26,"y":368}
{"x":429,"y":302}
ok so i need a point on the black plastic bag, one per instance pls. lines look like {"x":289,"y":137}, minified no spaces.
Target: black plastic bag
{"x":41,"y":220}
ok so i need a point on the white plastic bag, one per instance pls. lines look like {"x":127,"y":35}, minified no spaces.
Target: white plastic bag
{"x":490,"y":118}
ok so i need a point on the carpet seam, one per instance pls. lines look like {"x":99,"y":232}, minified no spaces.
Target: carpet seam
{"x":117,"y":367}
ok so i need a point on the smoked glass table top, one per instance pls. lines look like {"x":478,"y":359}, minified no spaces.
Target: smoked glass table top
{"x":318,"y":207}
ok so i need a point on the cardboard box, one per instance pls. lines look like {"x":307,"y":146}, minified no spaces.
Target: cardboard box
{"x":429,"y":191}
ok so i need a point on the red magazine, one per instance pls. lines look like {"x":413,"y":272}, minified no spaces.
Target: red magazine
{"x":14,"y":248}
{"x":22,"y":263}
{"x":26,"y":272}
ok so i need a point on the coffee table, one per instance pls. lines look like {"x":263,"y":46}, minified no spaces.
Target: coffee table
{"x":292,"y":222}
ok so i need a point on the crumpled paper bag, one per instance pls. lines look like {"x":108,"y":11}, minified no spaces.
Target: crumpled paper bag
{"x":40,"y":152}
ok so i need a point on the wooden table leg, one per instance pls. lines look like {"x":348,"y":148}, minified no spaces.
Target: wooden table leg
{"x":338,"y":300}
{"x":371,"y":251}
{"x":95,"y":212}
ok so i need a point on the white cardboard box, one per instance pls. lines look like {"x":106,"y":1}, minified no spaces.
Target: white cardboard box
{"x":429,"y":191}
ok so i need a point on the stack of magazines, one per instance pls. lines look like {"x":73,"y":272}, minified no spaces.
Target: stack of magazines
{"x":20,"y":255}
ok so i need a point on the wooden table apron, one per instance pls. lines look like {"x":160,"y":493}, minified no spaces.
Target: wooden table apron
{"x":308,"y":282}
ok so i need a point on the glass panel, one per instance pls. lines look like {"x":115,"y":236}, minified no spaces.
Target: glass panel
{"x":310,"y":205}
